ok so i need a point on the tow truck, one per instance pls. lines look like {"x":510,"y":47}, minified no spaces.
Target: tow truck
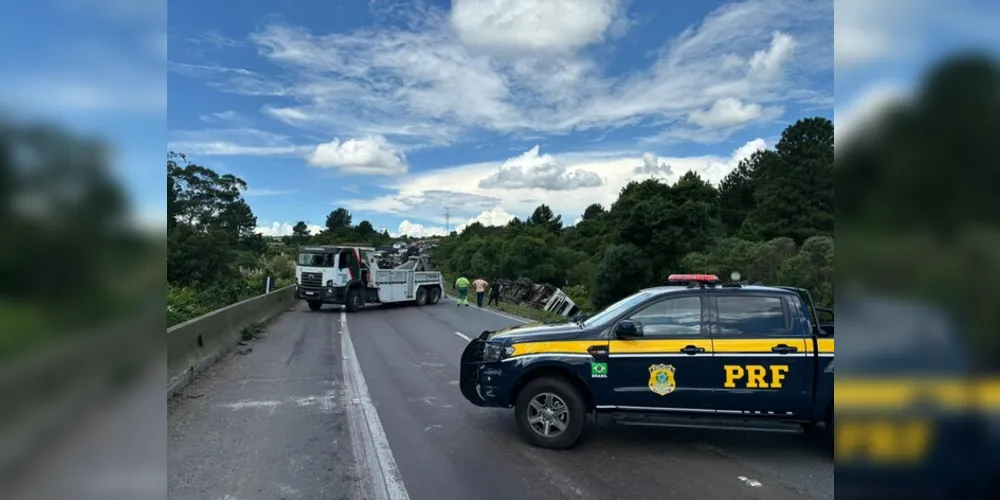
{"x":351,"y":276}
{"x":693,"y":353}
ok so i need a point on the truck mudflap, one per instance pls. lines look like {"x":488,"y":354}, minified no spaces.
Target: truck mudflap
{"x":471,"y":363}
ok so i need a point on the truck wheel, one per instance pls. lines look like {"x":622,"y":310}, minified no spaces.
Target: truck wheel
{"x":421,"y":296}
{"x":434,"y":296}
{"x":353,"y":301}
{"x":550,"y":413}
{"x":315,"y":305}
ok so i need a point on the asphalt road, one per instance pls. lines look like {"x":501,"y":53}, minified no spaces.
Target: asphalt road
{"x":367,"y":406}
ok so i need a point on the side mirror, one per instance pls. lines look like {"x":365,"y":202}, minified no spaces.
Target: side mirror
{"x":628,"y":329}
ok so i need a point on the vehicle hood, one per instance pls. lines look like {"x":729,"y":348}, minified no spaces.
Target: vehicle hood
{"x":536,"y":332}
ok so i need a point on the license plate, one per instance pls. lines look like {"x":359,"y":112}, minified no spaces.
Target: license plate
{"x":310,"y":293}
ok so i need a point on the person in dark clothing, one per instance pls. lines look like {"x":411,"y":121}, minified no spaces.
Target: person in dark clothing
{"x":494,"y":294}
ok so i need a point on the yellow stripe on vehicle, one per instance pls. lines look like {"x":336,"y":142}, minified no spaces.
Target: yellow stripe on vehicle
{"x":758,"y":345}
{"x":657,"y":346}
{"x":561,"y":346}
{"x":825,"y":345}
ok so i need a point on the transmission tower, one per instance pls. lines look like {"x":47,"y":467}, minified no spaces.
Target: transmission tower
{"x":447,"y":221}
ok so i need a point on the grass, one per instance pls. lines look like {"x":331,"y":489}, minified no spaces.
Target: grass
{"x":521,"y":311}
{"x":252,"y":331}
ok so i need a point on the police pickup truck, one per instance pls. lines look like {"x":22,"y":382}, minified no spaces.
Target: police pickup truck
{"x":694,"y":353}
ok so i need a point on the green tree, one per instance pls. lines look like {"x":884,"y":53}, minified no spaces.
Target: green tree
{"x":655,"y":228}
{"x":365,"y":230}
{"x":300,"y":232}
{"x":737,"y":189}
{"x":593,"y":211}
{"x":212,"y":223}
{"x":338,"y":220}
{"x":544,"y":218}
{"x":621,"y":271}
{"x":796,"y":197}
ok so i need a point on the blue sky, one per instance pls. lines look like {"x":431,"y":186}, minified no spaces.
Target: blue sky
{"x":397,"y":110}
{"x":255,"y":87}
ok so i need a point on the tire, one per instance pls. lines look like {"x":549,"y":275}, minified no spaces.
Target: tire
{"x":315,"y":306}
{"x":421,"y":296}
{"x":560,"y":394}
{"x":434,"y":296}
{"x":353,"y":300}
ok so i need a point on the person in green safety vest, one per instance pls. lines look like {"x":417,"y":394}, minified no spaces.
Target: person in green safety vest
{"x":462,"y":283}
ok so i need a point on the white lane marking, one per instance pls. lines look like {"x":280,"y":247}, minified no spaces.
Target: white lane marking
{"x":460,"y":334}
{"x":371,"y":448}
{"x":252,"y":404}
{"x":498,"y":313}
{"x":325,"y":403}
{"x":750,"y":482}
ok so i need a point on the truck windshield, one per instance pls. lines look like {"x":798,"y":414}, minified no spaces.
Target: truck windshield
{"x":613,"y":310}
{"x":312,"y":259}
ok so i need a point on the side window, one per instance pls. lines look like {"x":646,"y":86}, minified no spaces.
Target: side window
{"x":676,"y":317}
{"x":750,"y":315}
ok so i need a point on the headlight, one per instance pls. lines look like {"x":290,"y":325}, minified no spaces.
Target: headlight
{"x":329,"y":282}
{"x":496,"y":352}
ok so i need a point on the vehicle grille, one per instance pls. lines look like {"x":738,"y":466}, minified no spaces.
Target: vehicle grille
{"x":312,"y":279}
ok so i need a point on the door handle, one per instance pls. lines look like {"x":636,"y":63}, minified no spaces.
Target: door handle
{"x":784,"y":349}
{"x":692,"y":350}
{"x":599,"y":352}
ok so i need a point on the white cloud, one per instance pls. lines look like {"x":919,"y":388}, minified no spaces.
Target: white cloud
{"x":233,"y":142}
{"x":528,"y":25}
{"x":769,"y":64}
{"x":441,"y":78}
{"x":369,"y":155}
{"x":423,"y":196}
{"x":415,"y":230}
{"x":291,"y":116}
{"x":224,"y":117}
{"x":493,"y":217}
{"x":496,"y":216}
{"x":284,"y":229}
{"x":729,"y":112}
{"x":531,"y":170}
{"x":652,"y":166}
{"x":743,"y":152}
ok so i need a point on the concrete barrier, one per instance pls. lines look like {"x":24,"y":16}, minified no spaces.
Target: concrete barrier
{"x":196,"y":344}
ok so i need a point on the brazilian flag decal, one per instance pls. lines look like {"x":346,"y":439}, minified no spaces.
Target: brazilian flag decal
{"x":356,"y":265}
{"x":598,"y":370}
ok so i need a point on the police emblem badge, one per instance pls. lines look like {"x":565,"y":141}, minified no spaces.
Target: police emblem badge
{"x":661,"y":379}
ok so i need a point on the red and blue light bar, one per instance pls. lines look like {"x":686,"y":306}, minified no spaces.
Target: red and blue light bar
{"x":688,"y":278}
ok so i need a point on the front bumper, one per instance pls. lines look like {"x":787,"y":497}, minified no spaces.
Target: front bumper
{"x":326,"y":295}
{"x":484,"y":383}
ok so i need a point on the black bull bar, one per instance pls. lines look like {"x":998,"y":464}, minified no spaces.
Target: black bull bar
{"x":471,"y":363}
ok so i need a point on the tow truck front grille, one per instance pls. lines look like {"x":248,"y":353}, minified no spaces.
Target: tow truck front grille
{"x":312,"y":279}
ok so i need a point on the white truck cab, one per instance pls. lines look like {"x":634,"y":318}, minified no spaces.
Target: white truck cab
{"x":350,"y":276}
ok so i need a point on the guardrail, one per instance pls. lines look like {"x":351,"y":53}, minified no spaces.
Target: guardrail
{"x":196,"y":344}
